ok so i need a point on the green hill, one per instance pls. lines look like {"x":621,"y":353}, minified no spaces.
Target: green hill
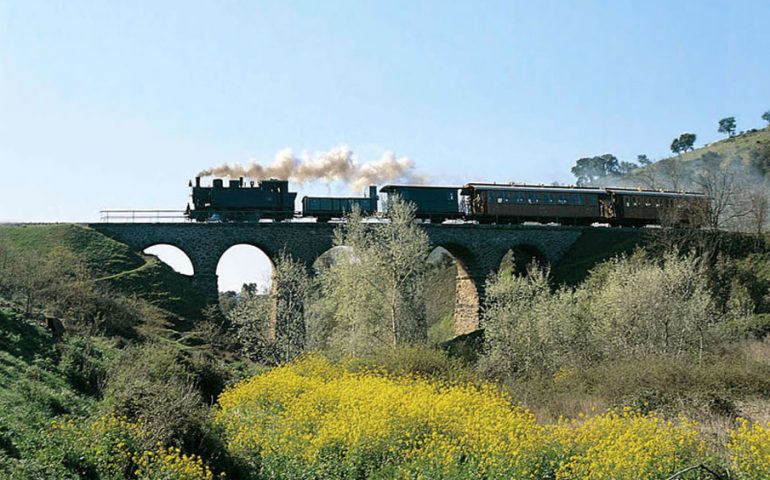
{"x":747,"y":154}
{"x":115,"y":264}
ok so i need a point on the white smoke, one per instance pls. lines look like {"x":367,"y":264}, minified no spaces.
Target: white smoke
{"x":338,"y":164}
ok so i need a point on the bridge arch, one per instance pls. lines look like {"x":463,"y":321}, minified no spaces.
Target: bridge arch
{"x":468,"y":287}
{"x":173,"y":256}
{"x":520,"y":256}
{"x":244,"y":263}
{"x":329,"y":257}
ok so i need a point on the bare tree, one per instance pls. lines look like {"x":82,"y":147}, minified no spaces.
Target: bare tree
{"x":724,"y":188}
{"x":758,"y":207}
{"x":649,"y":176}
{"x":673,"y":172}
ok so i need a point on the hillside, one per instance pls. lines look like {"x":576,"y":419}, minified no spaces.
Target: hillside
{"x":747,"y":153}
{"x":114,"y":264}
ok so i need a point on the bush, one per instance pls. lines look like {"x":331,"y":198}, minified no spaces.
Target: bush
{"x":628,"y":307}
{"x":416,"y":360}
{"x":749,"y":450}
{"x":313,"y":418}
{"x":155,"y":384}
{"x":83,"y":364}
{"x":113,"y":447}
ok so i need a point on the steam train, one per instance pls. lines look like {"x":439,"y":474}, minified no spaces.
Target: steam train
{"x":478,"y":202}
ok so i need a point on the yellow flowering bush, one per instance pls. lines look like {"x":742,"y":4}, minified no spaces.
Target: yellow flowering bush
{"x":314,"y":418}
{"x":749,"y":450}
{"x":170,"y":463}
{"x":627,"y":444}
{"x":111,"y":447}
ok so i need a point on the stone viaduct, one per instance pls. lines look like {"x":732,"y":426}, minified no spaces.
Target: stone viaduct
{"x":477,"y":249}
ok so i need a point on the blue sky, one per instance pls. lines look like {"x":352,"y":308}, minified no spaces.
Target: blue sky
{"x":117,"y":104}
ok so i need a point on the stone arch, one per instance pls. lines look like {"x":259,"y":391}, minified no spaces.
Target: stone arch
{"x":327,"y":257}
{"x":241,"y":262}
{"x":173,"y":256}
{"x":520,"y":256}
{"x":468,"y":288}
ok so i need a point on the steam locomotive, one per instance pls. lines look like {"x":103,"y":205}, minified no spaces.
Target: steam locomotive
{"x":479,"y":202}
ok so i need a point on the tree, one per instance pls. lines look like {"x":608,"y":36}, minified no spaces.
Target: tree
{"x":676,"y":146}
{"x":684,"y":142}
{"x":624,"y":168}
{"x":591,"y":169}
{"x":372,"y":294}
{"x":291,"y":289}
{"x":723,"y":187}
{"x":643,"y":160}
{"x":673,"y":171}
{"x":766,"y":117}
{"x":727,"y":125}
{"x":758,"y":206}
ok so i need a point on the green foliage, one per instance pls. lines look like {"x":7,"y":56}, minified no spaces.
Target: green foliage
{"x":415,"y":360}
{"x":627,"y":307}
{"x":683,"y":143}
{"x":373,"y":294}
{"x":98,"y":253}
{"x":766,"y":117}
{"x":591,"y":169}
{"x":727,"y":125}
{"x":270,"y":328}
{"x":156,"y":384}
{"x":670,"y":385}
{"x":291,"y":290}
{"x":439,"y":287}
{"x":158,"y":284}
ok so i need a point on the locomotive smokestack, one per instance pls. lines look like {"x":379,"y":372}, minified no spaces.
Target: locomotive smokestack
{"x":197,"y":181}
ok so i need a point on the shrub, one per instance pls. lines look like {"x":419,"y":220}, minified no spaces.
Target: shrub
{"x":83,"y":364}
{"x":156,"y":384}
{"x":749,"y":450}
{"x":627,"y":444}
{"x":314,"y":418}
{"x":113,"y":447}
{"x":628,"y":307}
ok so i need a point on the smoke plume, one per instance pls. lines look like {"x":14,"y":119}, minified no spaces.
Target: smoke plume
{"x":338,"y":164}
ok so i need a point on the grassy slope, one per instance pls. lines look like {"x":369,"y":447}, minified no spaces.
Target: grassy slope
{"x":736,"y":151}
{"x":33,"y":390}
{"x":113,"y":262}
{"x":740,"y":146}
{"x":102,"y":255}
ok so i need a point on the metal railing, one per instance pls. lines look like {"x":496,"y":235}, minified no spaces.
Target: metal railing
{"x":143,"y":216}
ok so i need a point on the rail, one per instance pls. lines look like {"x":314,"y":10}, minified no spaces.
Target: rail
{"x":142,"y":216}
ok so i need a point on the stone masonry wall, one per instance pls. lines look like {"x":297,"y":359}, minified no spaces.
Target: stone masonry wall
{"x":478,"y":249}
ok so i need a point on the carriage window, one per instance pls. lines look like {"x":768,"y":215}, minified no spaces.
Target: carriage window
{"x":490,"y":196}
